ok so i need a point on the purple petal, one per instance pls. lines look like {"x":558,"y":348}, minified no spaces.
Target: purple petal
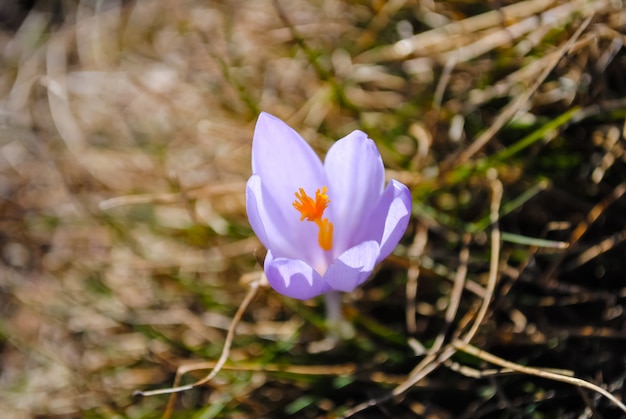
{"x":262,"y":211}
{"x":268,"y":224}
{"x":285,"y":162}
{"x":389,"y":219}
{"x":293,"y":278}
{"x":254,"y":208}
{"x":357,"y":178}
{"x":352,"y":267}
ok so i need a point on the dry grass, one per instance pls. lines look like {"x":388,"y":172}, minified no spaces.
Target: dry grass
{"x":125,"y":135}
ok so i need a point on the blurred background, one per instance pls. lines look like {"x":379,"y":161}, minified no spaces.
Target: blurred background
{"x":125,"y":133}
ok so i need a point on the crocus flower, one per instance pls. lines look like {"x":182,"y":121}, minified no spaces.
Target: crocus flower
{"x":325,"y":225}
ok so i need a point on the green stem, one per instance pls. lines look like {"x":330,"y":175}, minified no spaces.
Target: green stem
{"x":338,"y":328}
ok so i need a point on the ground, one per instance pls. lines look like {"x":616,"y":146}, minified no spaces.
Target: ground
{"x":125,"y":250}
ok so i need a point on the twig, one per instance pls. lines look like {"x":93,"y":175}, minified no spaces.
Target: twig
{"x":211,"y":190}
{"x":416,"y":249}
{"x":578,"y":382}
{"x":509,"y":111}
{"x":583,"y":227}
{"x":596,"y":250}
{"x":427,"y":40}
{"x":433,"y":360}
{"x":428,"y":365}
{"x":474,"y":373}
{"x":254,"y":286}
{"x":455,"y":294}
{"x":496,"y":199}
{"x":443,"y":82}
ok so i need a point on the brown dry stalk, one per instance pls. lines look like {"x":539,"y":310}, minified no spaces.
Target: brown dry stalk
{"x":434,"y":37}
{"x":596,"y":211}
{"x":596,"y":250}
{"x":254,"y":287}
{"x":430,"y":363}
{"x":494,"y":261}
{"x":416,"y":249}
{"x":511,"y":109}
{"x":433,"y":360}
{"x":578,"y":382}
{"x":344,"y":369}
{"x":581,"y":229}
{"x":455,"y":294}
{"x":211,"y":190}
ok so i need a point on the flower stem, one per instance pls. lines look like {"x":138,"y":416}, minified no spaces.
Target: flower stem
{"x":338,"y":328}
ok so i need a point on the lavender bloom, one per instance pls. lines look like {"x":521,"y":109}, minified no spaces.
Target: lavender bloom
{"x":325,"y":225}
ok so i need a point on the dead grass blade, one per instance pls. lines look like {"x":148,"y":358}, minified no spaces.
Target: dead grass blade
{"x":513,"y":107}
{"x":578,"y":382}
{"x":254,"y":287}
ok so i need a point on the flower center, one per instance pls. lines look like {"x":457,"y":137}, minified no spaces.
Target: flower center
{"x":313,"y":210}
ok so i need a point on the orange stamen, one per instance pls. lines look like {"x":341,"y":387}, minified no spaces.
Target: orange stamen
{"x":325,"y":235}
{"x":313,"y":210}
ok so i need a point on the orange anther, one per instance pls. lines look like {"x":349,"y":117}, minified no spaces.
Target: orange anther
{"x":313,"y":210}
